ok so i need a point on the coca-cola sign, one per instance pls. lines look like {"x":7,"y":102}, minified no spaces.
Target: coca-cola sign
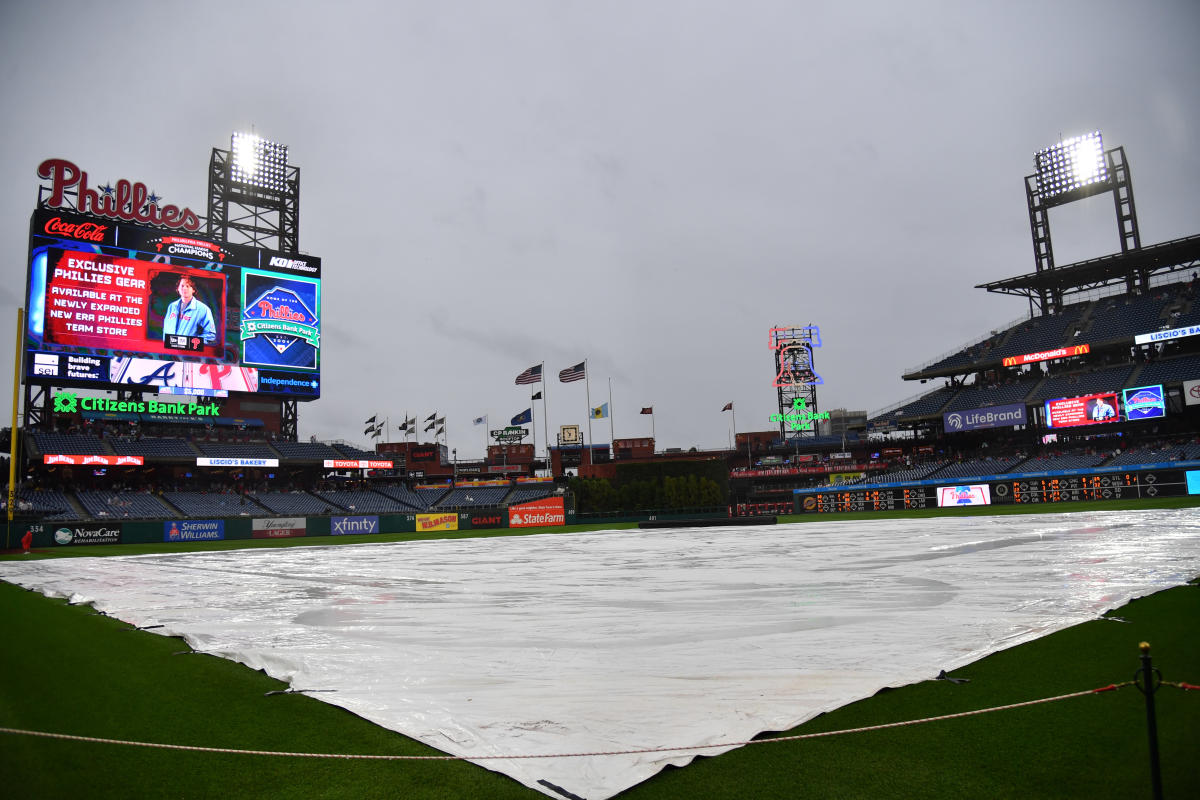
{"x":128,"y":201}
{"x":80,"y":231}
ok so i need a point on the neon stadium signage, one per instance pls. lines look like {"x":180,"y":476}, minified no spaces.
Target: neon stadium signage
{"x":1047,"y":355}
{"x":70,"y":402}
{"x":129,"y":201}
{"x":800,"y":418}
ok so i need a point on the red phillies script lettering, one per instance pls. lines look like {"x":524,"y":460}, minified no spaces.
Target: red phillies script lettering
{"x":83,"y":231}
{"x":283,"y":312}
{"x":129,"y":201}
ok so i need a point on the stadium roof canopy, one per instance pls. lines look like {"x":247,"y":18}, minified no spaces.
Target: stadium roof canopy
{"x":1134,"y":268}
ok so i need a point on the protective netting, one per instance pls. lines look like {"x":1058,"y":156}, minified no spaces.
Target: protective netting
{"x":634,"y":639}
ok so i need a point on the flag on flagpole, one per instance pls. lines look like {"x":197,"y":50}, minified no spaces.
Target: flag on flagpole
{"x":440,"y":421}
{"x":430,"y":427}
{"x":531,"y":375}
{"x":441,"y":431}
{"x":648,"y":410}
{"x":728,"y":407}
{"x":479,"y":420}
{"x":412,"y":423}
{"x":431,"y":417}
{"x":600,"y":411}
{"x":575,"y":373}
{"x":537,"y":396}
{"x":372,"y":419}
{"x":523,"y":417}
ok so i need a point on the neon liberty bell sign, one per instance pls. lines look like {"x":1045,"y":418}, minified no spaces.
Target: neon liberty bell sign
{"x":796,"y":370}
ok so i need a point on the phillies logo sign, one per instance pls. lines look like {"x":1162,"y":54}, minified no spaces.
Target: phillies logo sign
{"x":132,"y":202}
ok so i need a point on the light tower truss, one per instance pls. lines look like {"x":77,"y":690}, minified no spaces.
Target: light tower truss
{"x":1071,"y":170}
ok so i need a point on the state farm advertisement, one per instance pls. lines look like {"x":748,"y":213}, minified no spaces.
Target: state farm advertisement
{"x":124,"y":304}
{"x":537,"y":514}
{"x":1092,"y":409}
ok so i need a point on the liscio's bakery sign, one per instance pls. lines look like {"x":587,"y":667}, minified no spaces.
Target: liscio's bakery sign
{"x":130,"y":202}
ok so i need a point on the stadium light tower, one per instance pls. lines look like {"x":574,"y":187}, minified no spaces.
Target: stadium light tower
{"x":1071,"y":170}
{"x":254,"y":199}
{"x":254,"y":195}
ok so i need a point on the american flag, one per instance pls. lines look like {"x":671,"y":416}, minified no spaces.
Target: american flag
{"x":575,"y":373}
{"x":531,"y":375}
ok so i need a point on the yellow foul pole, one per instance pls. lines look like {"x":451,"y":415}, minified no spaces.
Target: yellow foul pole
{"x":12,"y":452}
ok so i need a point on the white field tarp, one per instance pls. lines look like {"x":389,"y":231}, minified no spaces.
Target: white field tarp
{"x":575,"y":643}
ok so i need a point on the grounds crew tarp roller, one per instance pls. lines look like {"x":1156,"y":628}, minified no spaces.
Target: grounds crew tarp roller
{"x":587,"y":642}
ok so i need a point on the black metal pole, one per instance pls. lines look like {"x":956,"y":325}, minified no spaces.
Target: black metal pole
{"x":1148,"y":686}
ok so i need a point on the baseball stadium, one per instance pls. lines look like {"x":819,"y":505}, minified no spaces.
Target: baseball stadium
{"x":998,"y":572}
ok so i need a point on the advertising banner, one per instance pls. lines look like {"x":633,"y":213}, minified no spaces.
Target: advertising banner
{"x":87,"y":534}
{"x":537,"y":514}
{"x":1092,"y":409}
{"x":206,"y":461}
{"x":991,"y":417}
{"x":975,"y":494}
{"x":356,"y":463}
{"x":437,"y":522}
{"x":279,"y":528}
{"x":193,"y":530}
{"x":90,"y":460}
{"x":493,"y":519}
{"x":1047,"y":355}
{"x":1191,"y":393}
{"x":1165,"y":336}
{"x":344,"y":526}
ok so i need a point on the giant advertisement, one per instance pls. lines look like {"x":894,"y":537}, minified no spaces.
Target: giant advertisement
{"x":111,"y":304}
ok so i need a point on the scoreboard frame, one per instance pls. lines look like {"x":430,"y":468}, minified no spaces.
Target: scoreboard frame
{"x":1140,"y":482}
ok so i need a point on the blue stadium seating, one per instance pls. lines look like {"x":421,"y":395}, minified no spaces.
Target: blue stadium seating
{"x":50,"y":504}
{"x":473,"y":497}
{"x":123,"y":505}
{"x":70,"y":444}
{"x":364,"y":502}
{"x":153,"y":447}
{"x":525,"y":494}
{"x":213,"y":504}
{"x":295,"y":503}
{"x":405,"y":496}
{"x":237,"y":450}
{"x":311,"y":451}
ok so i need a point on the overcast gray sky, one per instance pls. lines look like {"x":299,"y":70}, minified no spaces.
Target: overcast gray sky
{"x":651,"y":185}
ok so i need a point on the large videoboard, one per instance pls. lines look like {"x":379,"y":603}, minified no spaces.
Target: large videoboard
{"x":120,"y":306}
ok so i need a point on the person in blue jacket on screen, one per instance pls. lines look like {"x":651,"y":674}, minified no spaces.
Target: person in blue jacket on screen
{"x":187,"y":316}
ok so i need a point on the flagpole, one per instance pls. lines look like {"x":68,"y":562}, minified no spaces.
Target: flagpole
{"x":652,"y":436}
{"x":611,"y":435}
{"x":587,"y":381}
{"x":545,"y":416}
{"x":485,"y":435}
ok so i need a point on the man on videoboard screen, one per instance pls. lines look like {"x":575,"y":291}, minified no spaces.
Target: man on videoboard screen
{"x":187,"y":316}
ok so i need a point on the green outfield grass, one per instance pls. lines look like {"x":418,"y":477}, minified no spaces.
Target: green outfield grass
{"x":69,"y":670}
